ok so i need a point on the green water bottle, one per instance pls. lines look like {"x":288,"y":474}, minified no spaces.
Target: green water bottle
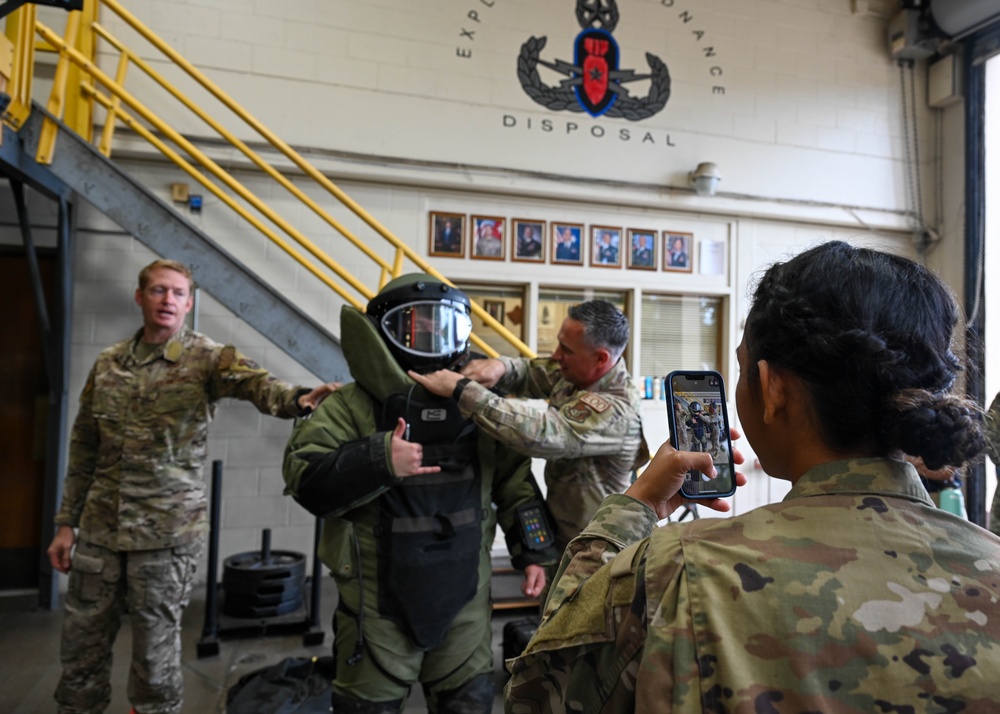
{"x":952,"y":500}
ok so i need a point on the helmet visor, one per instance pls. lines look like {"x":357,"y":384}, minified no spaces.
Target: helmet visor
{"x":428,"y":329}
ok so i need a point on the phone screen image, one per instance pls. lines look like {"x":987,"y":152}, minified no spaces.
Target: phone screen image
{"x":699,"y":421}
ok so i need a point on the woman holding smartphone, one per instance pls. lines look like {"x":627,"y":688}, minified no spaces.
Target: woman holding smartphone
{"x":854,"y":593}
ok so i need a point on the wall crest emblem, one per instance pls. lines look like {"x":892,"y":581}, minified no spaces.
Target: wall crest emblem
{"x":594,"y":82}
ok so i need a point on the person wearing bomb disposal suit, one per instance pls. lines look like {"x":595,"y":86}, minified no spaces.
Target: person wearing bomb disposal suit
{"x":135,"y":492}
{"x":698,"y":427}
{"x":591,"y":434}
{"x":407,"y":487}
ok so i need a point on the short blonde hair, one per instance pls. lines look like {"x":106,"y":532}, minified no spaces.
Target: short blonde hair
{"x":169,"y":265}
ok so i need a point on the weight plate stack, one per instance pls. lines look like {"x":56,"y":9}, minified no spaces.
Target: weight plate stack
{"x":263,"y":583}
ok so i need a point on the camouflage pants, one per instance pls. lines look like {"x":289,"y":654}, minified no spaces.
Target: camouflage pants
{"x":699,"y":443}
{"x":155,"y":585}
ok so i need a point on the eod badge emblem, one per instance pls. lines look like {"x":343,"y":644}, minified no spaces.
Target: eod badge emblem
{"x":594,"y":83}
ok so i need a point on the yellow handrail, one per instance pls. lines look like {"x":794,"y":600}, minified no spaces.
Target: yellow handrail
{"x":220,"y":173}
{"x":57,"y":98}
{"x":118,"y":95}
{"x":221,"y":195}
{"x":21,"y":31}
{"x":239,"y":144}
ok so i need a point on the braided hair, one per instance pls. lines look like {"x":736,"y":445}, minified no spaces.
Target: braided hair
{"x":869,"y":334}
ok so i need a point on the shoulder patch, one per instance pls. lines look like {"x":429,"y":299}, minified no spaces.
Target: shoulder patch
{"x":247,"y":364}
{"x":577,"y":412}
{"x":226,"y":357}
{"x":595,"y":401}
{"x":174,"y":350}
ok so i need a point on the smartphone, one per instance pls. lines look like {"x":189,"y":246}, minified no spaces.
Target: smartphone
{"x":699,"y":421}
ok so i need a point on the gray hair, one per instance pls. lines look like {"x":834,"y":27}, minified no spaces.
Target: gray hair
{"x":604,"y":325}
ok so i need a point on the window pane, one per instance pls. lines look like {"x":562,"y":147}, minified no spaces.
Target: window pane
{"x":553,"y":305}
{"x":505,"y":304}
{"x":680,"y":332}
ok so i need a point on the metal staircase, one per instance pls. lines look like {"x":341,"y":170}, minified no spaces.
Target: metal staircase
{"x":80,"y":167}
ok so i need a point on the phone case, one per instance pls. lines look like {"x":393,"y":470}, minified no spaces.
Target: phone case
{"x":699,"y":421}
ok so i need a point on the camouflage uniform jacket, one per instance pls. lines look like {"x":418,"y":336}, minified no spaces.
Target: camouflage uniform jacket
{"x":591,"y":438}
{"x":134,"y":480}
{"x":854,"y":594}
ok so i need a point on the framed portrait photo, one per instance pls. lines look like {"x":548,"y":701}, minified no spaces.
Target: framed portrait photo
{"x":447,"y":234}
{"x":566,"y":244}
{"x":495,"y":308}
{"x":605,"y":247}
{"x":641,"y":249}
{"x":529,"y":240}
{"x":489,"y":237}
{"x":677,"y":251}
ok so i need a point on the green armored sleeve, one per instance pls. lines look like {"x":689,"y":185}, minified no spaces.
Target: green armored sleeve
{"x":515,"y":486}
{"x":335,"y":459}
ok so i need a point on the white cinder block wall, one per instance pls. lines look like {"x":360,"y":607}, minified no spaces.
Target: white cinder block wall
{"x":414,"y":107}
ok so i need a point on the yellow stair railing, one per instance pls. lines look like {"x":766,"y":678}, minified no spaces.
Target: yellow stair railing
{"x":79,"y":84}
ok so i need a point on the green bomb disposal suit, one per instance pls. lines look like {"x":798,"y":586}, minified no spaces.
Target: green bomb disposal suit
{"x":411,"y":557}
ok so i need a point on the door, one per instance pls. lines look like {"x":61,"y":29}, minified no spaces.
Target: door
{"x":23,"y":412}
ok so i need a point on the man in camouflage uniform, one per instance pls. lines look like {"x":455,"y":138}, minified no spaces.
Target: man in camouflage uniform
{"x":135,"y":492}
{"x":680,"y":415}
{"x":715,"y":426}
{"x":591,"y":434}
{"x":993,"y":448}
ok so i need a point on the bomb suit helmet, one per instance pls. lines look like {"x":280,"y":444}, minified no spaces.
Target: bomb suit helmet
{"x":426,"y":324}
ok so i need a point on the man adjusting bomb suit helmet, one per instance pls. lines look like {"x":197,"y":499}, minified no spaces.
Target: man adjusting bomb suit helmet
{"x":411,"y":492}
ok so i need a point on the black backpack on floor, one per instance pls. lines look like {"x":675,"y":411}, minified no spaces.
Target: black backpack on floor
{"x":516,"y":634}
{"x":296,"y":685}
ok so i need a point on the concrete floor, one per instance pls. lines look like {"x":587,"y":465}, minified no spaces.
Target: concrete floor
{"x":29,"y":657}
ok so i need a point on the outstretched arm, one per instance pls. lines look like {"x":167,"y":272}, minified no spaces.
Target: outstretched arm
{"x":442,"y":383}
{"x":596,"y":617}
{"x":575,"y":430}
{"x":485,"y":371}
{"x":659,"y":484}
{"x":313,"y":399}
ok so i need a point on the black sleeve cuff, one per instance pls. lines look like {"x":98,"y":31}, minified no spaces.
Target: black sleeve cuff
{"x":302,"y":411}
{"x":459,"y":388}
